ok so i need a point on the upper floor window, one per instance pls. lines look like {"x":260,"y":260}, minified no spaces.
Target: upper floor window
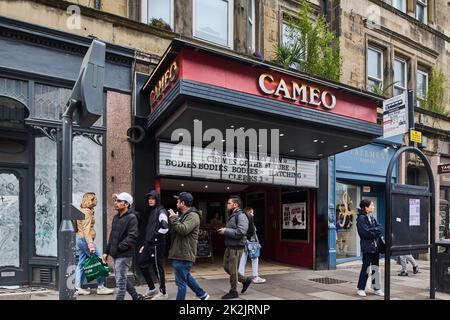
{"x":251,"y":25}
{"x":421,"y":87}
{"x":400,"y":76}
{"x":374,"y":69}
{"x":291,"y":38}
{"x":213,"y":21}
{"x":158,"y":9}
{"x":399,"y":5}
{"x":421,"y":10}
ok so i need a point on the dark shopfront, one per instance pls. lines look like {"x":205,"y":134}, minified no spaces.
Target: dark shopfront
{"x":194,"y":90}
{"x":38,"y":68}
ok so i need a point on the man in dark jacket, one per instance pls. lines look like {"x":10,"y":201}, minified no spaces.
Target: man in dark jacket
{"x":152,"y":252}
{"x":185,"y":227}
{"x":234,"y":232}
{"x":121,"y":244}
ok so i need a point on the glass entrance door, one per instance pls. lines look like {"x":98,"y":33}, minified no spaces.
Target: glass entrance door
{"x":13,"y":266}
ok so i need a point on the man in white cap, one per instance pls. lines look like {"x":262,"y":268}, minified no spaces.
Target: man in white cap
{"x":121,"y":244}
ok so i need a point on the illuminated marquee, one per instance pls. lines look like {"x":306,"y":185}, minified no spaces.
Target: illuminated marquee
{"x":161,"y":86}
{"x":296,"y":92}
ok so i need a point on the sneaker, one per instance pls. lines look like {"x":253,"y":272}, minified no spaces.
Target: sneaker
{"x":258,"y":280}
{"x":139,"y":297}
{"x":403,"y":274}
{"x":361,"y":293}
{"x":161,"y":296}
{"x":378,"y":293}
{"x":149,"y":294}
{"x":246,"y":284}
{"x":82,"y":292}
{"x":416,"y":269}
{"x":205,"y":297}
{"x":104,"y":291}
{"x":231,"y":295}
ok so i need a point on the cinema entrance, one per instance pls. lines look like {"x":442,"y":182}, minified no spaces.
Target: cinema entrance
{"x":219,"y":124}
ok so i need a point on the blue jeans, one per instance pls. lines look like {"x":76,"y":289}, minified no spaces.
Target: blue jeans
{"x":83,"y":253}
{"x":121,"y":267}
{"x":183,"y":278}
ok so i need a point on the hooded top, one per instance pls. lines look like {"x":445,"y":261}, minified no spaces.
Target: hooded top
{"x":158,"y":223}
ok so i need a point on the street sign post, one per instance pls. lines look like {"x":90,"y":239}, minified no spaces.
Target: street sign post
{"x":85,"y":105}
{"x":395,"y":117}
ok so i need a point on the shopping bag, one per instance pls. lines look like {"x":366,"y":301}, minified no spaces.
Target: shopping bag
{"x":93,"y":268}
{"x":252,"y":248}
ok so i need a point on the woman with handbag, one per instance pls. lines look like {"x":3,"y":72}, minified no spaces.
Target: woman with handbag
{"x":251,"y":250}
{"x":369,"y":231}
{"x":85,"y":244}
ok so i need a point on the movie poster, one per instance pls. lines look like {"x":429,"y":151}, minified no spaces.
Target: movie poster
{"x":294,"y":216}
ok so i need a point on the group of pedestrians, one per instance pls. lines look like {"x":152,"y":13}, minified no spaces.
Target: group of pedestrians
{"x":183,"y":227}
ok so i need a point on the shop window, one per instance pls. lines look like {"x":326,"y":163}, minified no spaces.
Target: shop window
{"x":400,"y":76}
{"x":15,"y":89}
{"x":158,"y":9}
{"x":88,"y":175}
{"x":213,"y":21}
{"x":347,"y":240}
{"x":421,"y":87}
{"x":9,"y":220}
{"x":50,"y":103}
{"x":251,"y":25}
{"x":46,"y":197}
{"x":374,"y":69}
{"x":421,"y":10}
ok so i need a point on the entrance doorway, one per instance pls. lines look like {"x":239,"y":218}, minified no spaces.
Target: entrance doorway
{"x":13,"y":257}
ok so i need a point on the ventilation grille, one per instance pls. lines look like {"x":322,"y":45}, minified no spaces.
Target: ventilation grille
{"x":45,"y":276}
{"x":326,"y":280}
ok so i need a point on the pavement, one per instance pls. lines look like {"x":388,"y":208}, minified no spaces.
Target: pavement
{"x":284,"y":282}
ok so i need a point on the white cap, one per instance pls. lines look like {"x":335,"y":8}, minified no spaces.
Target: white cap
{"x":123,"y":196}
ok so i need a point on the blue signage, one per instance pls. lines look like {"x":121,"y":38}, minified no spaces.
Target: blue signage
{"x":369,"y":160}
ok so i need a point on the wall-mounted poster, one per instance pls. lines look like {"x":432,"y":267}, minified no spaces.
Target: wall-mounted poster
{"x":294,"y":215}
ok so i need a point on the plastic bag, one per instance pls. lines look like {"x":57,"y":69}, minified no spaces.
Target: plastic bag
{"x":94,"y":268}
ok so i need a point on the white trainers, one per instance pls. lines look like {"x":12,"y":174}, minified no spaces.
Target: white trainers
{"x":104,"y":291}
{"x":82,"y":292}
{"x":149,"y":294}
{"x":161,"y":296}
{"x":258,"y":280}
{"x":205,"y":297}
{"x":361,"y":293}
{"x":378,"y":293}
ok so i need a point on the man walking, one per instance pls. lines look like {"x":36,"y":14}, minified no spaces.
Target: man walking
{"x":185,"y":228}
{"x":121,"y":244}
{"x":403,"y":261}
{"x":234,"y":232}
{"x":152,"y":252}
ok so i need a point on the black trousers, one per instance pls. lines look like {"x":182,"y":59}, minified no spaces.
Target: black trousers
{"x":153,"y":257}
{"x":369,"y":259}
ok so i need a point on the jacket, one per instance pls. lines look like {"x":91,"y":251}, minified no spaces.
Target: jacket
{"x":235,"y":233}
{"x":123,"y":236}
{"x":158,"y":223}
{"x":85,"y":228}
{"x":184,"y":235}
{"x":368,"y":233}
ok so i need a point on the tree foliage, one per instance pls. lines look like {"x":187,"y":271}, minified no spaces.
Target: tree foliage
{"x":435,"y":99}
{"x":309,"y":46}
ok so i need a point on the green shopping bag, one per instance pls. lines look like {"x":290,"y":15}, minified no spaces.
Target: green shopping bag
{"x":94,"y":268}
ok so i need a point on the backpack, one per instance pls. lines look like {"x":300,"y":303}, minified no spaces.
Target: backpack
{"x":251,"y":226}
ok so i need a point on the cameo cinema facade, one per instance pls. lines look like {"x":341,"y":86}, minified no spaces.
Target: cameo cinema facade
{"x":194,"y":89}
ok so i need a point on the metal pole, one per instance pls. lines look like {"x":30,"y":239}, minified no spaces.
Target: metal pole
{"x":66,"y":241}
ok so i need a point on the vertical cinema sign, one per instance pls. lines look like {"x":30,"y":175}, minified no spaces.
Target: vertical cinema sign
{"x":163,"y":83}
{"x":296,"y":92}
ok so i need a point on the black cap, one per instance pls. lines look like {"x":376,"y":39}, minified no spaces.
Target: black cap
{"x":186,"y":197}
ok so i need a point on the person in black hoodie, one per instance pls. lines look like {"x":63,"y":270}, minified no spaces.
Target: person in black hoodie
{"x":121,"y":244}
{"x":151,"y":254}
